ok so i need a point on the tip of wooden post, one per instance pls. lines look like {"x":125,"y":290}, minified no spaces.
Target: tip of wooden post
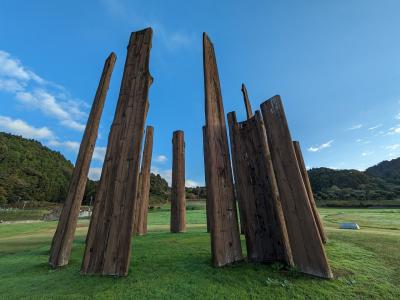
{"x":112,"y":56}
{"x":243,"y":87}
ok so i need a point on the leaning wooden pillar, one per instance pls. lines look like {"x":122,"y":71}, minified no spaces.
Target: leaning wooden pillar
{"x":178,"y":198}
{"x":63,"y":237}
{"x":306,"y":245}
{"x":307,"y":183}
{"x":140,"y":220}
{"x":247,"y":103}
{"x":206,"y":178}
{"x":225,"y":237}
{"x":108,"y":244}
{"x":257,"y":192}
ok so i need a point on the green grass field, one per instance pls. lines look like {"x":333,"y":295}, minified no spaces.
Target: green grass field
{"x":366,"y":263}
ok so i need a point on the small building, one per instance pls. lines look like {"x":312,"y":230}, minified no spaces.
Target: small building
{"x":353,"y":226}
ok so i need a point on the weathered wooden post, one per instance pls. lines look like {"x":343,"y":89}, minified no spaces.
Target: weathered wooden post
{"x":108,"y":244}
{"x":306,"y":245}
{"x":225,"y":238}
{"x":307,"y":184}
{"x":63,"y":237}
{"x":247,"y":103}
{"x":140,"y":220}
{"x":257,"y":191}
{"x":206,"y":178}
{"x":178,"y":197}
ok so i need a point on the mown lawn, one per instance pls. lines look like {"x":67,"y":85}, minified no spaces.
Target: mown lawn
{"x":366,"y":264}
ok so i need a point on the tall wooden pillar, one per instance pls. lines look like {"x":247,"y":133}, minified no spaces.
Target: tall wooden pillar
{"x":225,"y":238}
{"x":140,"y":220}
{"x":306,"y":245}
{"x":178,"y":197}
{"x":108,"y":244}
{"x":63,"y":237}
{"x":257,"y":192}
{"x":307,"y":183}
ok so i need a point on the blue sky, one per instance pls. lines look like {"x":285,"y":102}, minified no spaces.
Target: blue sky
{"x":336,"y":65}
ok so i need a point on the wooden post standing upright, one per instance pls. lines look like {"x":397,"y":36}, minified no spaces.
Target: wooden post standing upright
{"x":307,"y":183}
{"x":257,"y":192}
{"x":142,"y":203}
{"x":63,"y":237}
{"x":108,"y":244}
{"x":178,"y":197}
{"x":225,"y":238}
{"x":306,"y":245}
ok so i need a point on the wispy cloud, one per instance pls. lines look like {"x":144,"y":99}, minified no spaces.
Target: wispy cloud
{"x":393,"y":130}
{"x":367,"y":153}
{"x":94,"y":173}
{"x":160,"y":159}
{"x":397,"y":117}
{"x":20,"y":127}
{"x":375,"y":127}
{"x":192,"y":183}
{"x":98,"y":153}
{"x":393,"y":147}
{"x":36,"y":93}
{"x":320,"y":147}
{"x":357,"y":126}
{"x":164,"y":173}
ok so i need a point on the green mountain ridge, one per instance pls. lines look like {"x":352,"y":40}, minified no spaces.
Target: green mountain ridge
{"x":30,"y":171}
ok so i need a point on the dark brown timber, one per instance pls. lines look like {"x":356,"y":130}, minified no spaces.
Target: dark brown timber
{"x":249,"y":111}
{"x":142,"y":203}
{"x":225,"y":237}
{"x":178,"y":199}
{"x":108,"y":244}
{"x":306,"y":245}
{"x":206,"y":178}
{"x":257,"y":192}
{"x":63,"y":237}
{"x":307,"y":183}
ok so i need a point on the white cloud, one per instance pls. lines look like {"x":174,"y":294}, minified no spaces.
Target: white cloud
{"x":375,"y":127}
{"x":160,"y":158}
{"x":393,"y":130}
{"x":358,"y":140}
{"x":10,"y":85}
{"x":357,"y":126}
{"x":94,"y":173}
{"x":99,"y":153}
{"x":397,"y":117}
{"x":192,"y":183}
{"x":12,"y":68}
{"x":320,"y":147}
{"x":393,"y":147}
{"x":367,"y":153}
{"x":36,"y":93}
{"x":166,"y":174}
{"x":20,"y":127}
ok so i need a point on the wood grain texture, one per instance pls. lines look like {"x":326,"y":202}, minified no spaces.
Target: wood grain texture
{"x":142,"y":203}
{"x":257,"y":192}
{"x":247,"y":104}
{"x":306,"y":245}
{"x":225,"y":237}
{"x":63,"y":237}
{"x":206,"y":176}
{"x":108,"y":243}
{"x":178,"y":195}
{"x":310,"y":194}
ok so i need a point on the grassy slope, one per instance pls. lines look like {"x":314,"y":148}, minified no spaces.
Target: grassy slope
{"x":366,"y":264}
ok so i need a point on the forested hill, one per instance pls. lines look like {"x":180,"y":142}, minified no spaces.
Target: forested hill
{"x":30,"y":171}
